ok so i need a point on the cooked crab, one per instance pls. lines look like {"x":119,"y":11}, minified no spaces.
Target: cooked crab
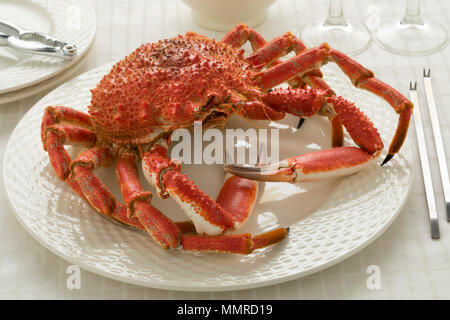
{"x":170,"y":84}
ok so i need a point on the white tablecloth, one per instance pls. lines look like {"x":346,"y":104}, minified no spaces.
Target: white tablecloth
{"x":412,"y":265}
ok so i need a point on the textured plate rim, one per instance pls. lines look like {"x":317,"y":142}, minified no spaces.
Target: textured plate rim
{"x":203,"y":288}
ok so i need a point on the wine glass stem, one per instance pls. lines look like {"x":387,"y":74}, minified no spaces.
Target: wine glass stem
{"x":412,"y":14}
{"x":335,"y":14}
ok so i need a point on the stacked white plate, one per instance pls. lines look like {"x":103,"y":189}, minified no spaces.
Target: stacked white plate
{"x":72,"y":21}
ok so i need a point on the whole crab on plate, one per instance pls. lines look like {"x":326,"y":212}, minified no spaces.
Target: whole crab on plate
{"x":168,"y":85}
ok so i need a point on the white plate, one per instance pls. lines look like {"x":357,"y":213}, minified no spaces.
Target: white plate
{"x":329,"y":220}
{"x":73,"y":21}
{"x":42,"y":86}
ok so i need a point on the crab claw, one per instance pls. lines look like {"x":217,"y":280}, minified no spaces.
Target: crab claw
{"x":237,"y":243}
{"x":313,"y":166}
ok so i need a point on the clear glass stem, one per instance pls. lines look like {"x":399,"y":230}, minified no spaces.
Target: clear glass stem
{"x":412,"y":14}
{"x":335,"y":14}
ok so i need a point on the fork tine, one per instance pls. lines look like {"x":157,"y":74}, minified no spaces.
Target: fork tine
{"x":245,"y":168}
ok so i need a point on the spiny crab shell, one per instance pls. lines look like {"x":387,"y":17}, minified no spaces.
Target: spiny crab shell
{"x":168,"y":85}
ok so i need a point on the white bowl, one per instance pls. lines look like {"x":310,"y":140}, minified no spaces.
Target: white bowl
{"x":221,"y":15}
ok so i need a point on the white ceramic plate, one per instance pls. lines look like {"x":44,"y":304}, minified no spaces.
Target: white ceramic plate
{"x":42,"y":86}
{"x":329,"y":220}
{"x":73,"y":21}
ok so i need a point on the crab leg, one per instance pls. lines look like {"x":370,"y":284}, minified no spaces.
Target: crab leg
{"x":54,"y":139}
{"x":275,"y":49}
{"x":269,"y":53}
{"x":364,"y":79}
{"x":231,"y":209}
{"x":242,"y":33}
{"x":59,"y":114}
{"x":81,"y":171}
{"x":257,"y":110}
{"x":240,"y":243}
{"x":64,"y":126}
{"x":74,"y":131}
{"x":207,"y":216}
{"x":310,"y":102}
{"x":210,"y":218}
{"x":103,"y":201}
{"x":120,"y":214}
{"x":237,"y":36}
{"x":323,"y":164}
{"x":54,"y":136}
{"x":313,"y":166}
{"x":162,"y":229}
{"x":360,"y":77}
{"x":238,"y":195}
{"x":280,"y":47}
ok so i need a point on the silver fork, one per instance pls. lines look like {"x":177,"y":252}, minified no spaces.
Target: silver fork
{"x":432,"y":211}
{"x":437,"y":139}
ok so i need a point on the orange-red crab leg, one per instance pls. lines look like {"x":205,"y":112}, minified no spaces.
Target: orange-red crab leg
{"x":364,"y":79}
{"x":360,"y":77}
{"x":59,"y":114}
{"x":82,"y":171}
{"x":240,"y":243}
{"x":162,"y":229}
{"x":268,"y":53}
{"x":231,"y":209}
{"x":104,"y":202}
{"x":208,"y":216}
{"x":237,"y":36}
{"x":281,"y":46}
{"x":120,"y":214}
{"x":65,"y":126}
{"x":324,"y":164}
{"x":58,"y":135}
{"x":313,"y":166}
{"x":310,"y":102}
{"x":242,"y":33}
{"x":238,"y":195}
{"x":54,"y":136}
{"x":60,"y":127}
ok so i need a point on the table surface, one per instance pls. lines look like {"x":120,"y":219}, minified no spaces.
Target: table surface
{"x":411,"y":265}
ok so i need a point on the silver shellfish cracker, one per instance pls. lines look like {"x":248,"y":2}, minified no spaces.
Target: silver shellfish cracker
{"x":33,"y":42}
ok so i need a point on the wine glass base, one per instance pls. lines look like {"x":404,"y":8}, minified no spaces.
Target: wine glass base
{"x":411,"y":39}
{"x":351,"y":39}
